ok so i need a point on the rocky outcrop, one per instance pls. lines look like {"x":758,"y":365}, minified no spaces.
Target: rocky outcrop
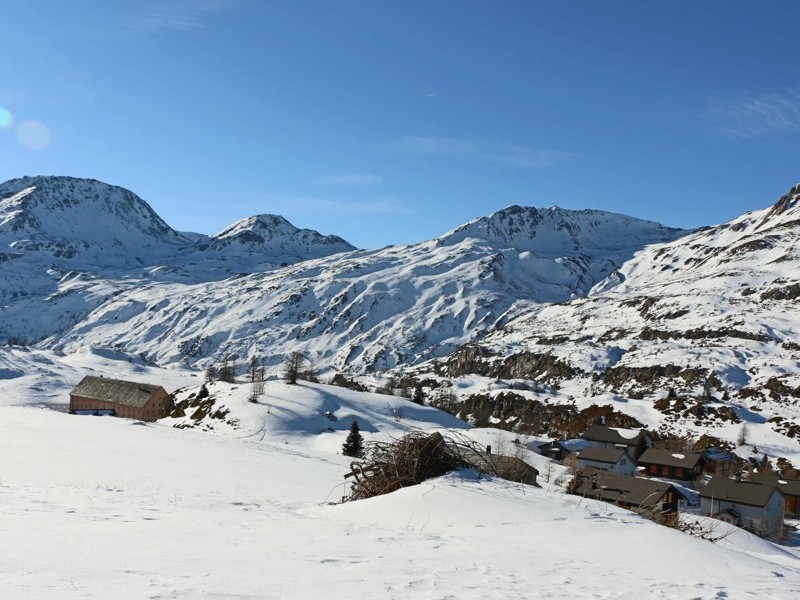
{"x":514,"y":412}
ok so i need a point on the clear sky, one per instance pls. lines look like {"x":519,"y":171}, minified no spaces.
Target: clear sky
{"x":395,"y":121}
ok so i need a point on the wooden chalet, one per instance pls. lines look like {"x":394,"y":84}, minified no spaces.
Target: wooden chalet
{"x":561,"y":449}
{"x":788,"y":486}
{"x":613,"y":437}
{"x":672,"y":465}
{"x":718,"y":462}
{"x":511,"y":468}
{"x":654,"y":499}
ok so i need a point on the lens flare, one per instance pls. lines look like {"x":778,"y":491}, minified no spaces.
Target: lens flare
{"x":6,"y":118}
{"x":34,"y":135}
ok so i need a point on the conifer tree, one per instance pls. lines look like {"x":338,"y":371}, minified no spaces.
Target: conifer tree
{"x":354,"y":444}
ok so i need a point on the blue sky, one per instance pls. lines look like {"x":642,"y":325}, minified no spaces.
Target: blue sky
{"x":393,"y":122}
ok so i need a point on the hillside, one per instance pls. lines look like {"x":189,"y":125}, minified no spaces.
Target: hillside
{"x":693,"y":336}
{"x":116,"y":508}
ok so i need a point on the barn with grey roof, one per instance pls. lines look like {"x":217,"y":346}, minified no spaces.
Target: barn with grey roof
{"x":127,"y":399}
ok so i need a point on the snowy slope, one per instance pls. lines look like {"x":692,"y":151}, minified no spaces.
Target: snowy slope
{"x":315,"y":415}
{"x":109,"y":508}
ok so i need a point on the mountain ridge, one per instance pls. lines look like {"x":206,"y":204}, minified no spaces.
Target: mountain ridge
{"x":354,"y":309}
{"x":569,"y":306}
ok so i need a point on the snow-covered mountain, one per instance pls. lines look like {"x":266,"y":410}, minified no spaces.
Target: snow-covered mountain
{"x":67,"y":245}
{"x":697,"y":335}
{"x":682,"y":331}
{"x":274,"y":236}
{"x":65,"y":224}
{"x":360,"y":310}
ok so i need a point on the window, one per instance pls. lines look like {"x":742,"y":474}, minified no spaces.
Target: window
{"x":680,"y":472}
{"x":652,"y":469}
{"x":665,"y":470}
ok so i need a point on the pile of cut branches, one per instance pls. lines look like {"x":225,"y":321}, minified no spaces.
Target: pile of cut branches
{"x":410,"y":460}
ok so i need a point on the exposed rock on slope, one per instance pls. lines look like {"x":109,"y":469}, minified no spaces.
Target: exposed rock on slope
{"x":710,"y":320}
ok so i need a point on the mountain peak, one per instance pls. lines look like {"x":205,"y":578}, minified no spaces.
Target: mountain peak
{"x":273,"y":234}
{"x":55,"y":208}
{"x":558,"y":231}
{"x":266,"y":224}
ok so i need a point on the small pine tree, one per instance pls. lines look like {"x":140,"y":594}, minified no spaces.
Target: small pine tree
{"x":354,"y":444}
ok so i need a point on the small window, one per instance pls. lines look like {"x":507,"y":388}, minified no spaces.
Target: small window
{"x":653,"y":469}
{"x":665,"y":470}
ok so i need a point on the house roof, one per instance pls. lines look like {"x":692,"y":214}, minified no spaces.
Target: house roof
{"x":604,"y":455}
{"x":716,"y":455}
{"x":738,"y":492}
{"x":789,"y":487}
{"x":670,"y":459}
{"x":129,"y":393}
{"x":633,"y":491}
{"x":613,"y":435}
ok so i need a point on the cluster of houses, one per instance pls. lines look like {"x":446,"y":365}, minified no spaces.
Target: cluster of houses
{"x":621,"y":466}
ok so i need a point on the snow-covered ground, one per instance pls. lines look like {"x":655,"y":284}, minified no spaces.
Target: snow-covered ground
{"x":97,"y":507}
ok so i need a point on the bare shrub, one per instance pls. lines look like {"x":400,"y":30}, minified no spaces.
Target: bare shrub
{"x":410,"y":460}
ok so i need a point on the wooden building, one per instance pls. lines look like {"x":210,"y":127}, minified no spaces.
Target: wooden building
{"x":672,"y":465}
{"x":654,"y":499}
{"x":632,"y":441}
{"x":511,"y":468}
{"x":719,"y":462}
{"x":128,"y":399}
{"x":788,"y":486}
